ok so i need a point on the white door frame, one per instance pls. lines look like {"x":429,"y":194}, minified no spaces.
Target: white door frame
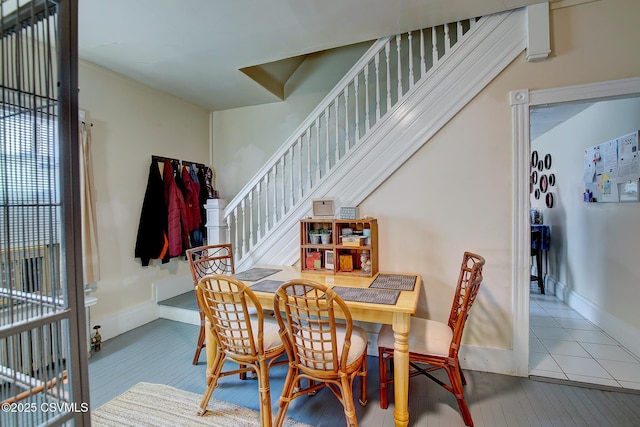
{"x":521,"y":101}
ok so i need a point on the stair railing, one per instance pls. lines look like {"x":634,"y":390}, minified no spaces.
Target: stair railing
{"x":383,"y":76}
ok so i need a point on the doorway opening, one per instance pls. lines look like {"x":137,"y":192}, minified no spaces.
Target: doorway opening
{"x":562,"y":293}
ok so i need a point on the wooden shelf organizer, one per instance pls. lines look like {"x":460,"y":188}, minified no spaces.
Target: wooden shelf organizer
{"x":345,"y":255}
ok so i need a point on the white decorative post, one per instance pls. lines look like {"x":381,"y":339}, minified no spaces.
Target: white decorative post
{"x":538,"y":33}
{"x":216,"y":225}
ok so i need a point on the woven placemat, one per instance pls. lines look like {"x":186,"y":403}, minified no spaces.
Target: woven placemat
{"x":398,"y":282}
{"x":373,"y":296}
{"x":267,"y":285}
{"x":255,"y":274}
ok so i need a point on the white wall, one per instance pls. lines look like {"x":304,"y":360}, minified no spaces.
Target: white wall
{"x":245,"y":138}
{"x":456,"y":193}
{"x":594,"y":246}
{"x":132,"y":122}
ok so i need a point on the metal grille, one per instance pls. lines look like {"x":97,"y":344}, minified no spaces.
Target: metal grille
{"x":41,"y":371}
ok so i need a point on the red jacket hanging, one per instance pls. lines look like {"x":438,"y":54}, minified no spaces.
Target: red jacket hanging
{"x":176,"y":214}
{"x":191,"y":195}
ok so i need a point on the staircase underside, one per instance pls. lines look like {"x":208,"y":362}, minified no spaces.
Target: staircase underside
{"x":429,"y":105}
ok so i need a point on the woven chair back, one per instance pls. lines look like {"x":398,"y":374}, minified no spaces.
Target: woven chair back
{"x":467,"y":289}
{"x":211,"y":259}
{"x":310,"y":325}
{"x":226,"y":302}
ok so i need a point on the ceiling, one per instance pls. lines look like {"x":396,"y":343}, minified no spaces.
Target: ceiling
{"x":544,"y":118}
{"x":194,"y":49}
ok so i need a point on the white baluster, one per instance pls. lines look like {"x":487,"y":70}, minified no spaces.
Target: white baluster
{"x":244,"y":229}
{"x":275,"y":195}
{"x":377,"y":63}
{"x":318,"y":174}
{"x":460,"y":30}
{"x":447,"y":39}
{"x":251,"y":219}
{"x":423,"y":62}
{"x":293,"y":186}
{"x":409,"y":38}
{"x":387,"y":49}
{"x":235,"y":213}
{"x":399,"y":67}
{"x":366,"y":98}
{"x":434,"y":43}
{"x":309,"y":159}
{"x":228,"y":221}
{"x":336,"y":102}
{"x":356,"y":101}
{"x":326,"y":126}
{"x":282,"y":180}
{"x":346,"y":119}
{"x":259,"y":232}
{"x":266,"y":202}
{"x":301,"y":181}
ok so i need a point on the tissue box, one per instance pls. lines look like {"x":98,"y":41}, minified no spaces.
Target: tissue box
{"x":354,"y":241}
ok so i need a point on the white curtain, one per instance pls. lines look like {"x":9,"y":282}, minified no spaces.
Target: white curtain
{"x":90,"y":256}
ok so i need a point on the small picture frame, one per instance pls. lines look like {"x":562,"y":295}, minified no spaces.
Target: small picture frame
{"x":349,"y":212}
{"x":323,"y":208}
{"x":329,"y":262}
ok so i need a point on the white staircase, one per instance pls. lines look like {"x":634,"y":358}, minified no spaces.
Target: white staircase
{"x":392,"y":102}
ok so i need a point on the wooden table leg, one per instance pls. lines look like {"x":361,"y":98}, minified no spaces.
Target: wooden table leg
{"x":401,"y":325}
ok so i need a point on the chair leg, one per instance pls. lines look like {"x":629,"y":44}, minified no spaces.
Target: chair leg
{"x":346,"y":391}
{"x":265,"y":394}
{"x":201,"y":342}
{"x":464,"y":380}
{"x":540,"y":274}
{"x":382,"y":368}
{"x":363,"y":382}
{"x":212,"y":382}
{"x":456,"y":384}
{"x":290,"y":383}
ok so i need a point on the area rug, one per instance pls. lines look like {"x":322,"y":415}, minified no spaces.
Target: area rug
{"x":158,"y":405}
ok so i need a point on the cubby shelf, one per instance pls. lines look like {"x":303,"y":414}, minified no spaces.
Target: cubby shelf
{"x":315,"y":257}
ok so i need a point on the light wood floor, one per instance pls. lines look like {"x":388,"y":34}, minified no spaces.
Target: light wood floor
{"x":161,"y":352}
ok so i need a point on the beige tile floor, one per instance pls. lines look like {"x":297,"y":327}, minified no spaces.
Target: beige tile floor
{"x":564,"y":345}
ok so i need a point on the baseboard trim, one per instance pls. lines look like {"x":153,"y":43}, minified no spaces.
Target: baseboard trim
{"x":583,"y":385}
{"x":473,"y":358}
{"x":122,"y":321}
{"x":486,"y":359}
{"x":618,"y":329}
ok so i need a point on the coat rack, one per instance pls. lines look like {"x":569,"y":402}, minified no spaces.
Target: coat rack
{"x":184,"y":162}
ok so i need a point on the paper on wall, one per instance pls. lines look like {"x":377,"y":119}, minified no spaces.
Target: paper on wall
{"x":628,"y":161}
{"x":609,"y":189}
{"x":589,"y":164}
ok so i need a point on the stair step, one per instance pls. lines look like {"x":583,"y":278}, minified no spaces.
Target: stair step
{"x":181,"y":308}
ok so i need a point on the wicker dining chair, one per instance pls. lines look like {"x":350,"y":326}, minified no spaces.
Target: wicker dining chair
{"x":203,"y":260}
{"x":320,"y":350}
{"x":436,"y":344}
{"x":252,"y":342}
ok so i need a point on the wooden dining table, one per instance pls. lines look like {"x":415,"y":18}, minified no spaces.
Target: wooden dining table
{"x":398,"y":315}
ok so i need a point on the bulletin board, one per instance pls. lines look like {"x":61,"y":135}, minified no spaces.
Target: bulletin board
{"x":612,"y":171}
